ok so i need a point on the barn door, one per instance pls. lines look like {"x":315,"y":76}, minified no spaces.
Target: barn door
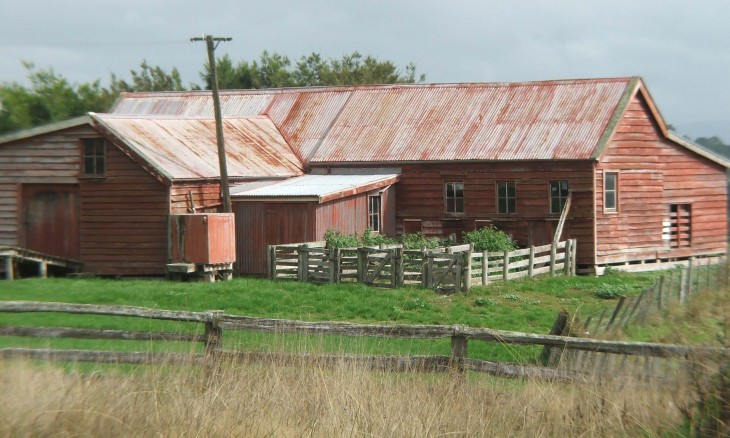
{"x":51,"y":219}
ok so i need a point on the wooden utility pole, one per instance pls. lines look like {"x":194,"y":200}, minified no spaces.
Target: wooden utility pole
{"x":225,"y":192}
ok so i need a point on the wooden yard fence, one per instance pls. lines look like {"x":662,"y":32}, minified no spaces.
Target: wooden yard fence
{"x":452,"y":268}
{"x":215,"y":322}
{"x":676,"y":287}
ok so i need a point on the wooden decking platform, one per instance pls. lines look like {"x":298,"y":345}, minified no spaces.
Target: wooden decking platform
{"x":10,"y":255}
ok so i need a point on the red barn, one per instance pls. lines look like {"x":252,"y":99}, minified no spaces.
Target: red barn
{"x":461,"y":156}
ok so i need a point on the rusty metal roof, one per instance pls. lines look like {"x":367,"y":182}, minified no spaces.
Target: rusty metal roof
{"x":419,"y":122}
{"x":319,"y":187}
{"x":186,"y":148}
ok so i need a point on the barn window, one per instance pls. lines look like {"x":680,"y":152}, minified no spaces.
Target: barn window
{"x":94,"y":156}
{"x":506,"y":197}
{"x":454,"y":197}
{"x":374,"y":213}
{"x":558,"y":195}
{"x":680,"y":225}
{"x":610,"y":191}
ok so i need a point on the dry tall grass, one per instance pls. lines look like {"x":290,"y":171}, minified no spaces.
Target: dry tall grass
{"x":271,"y":400}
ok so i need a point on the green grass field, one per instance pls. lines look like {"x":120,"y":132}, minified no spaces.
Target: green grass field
{"x":528,"y":305}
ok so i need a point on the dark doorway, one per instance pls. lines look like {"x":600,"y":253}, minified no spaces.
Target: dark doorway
{"x":51,"y":219}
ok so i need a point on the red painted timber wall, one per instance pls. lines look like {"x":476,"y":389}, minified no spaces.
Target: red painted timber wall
{"x":654,"y":173}
{"x":124,"y":219}
{"x":420,"y":195}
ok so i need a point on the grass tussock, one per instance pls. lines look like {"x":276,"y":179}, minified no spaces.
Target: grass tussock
{"x":267,"y":399}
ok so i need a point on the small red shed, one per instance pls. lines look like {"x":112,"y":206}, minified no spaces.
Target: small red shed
{"x":302,"y":209}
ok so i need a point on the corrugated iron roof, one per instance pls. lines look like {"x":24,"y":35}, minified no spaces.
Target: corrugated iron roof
{"x":419,"y":122}
{"x":319,"y":186}
{"x":532,"y":121}
{"x":186,"y":148}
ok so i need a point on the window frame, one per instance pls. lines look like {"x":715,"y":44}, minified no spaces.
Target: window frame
{"x":615,"y":191}
{"x":375,"y":214}
{"x":506,"y":198}
{"x":456,"y":202}
{"x":97,"y":156}
{"x":561,"y":197}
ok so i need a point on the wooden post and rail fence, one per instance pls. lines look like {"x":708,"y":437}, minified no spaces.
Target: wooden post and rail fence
{"x":216,"y":322}
{"x":452,"y":268}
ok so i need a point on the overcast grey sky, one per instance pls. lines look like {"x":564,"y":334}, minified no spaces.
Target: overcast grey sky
{"x":679,"y":47}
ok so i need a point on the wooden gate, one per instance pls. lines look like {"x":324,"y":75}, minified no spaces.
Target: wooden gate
{"x":51,"y":219}
{"x":379,"y":267}
{"x":444,"y":271}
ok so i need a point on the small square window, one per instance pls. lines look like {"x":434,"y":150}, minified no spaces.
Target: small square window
{"x":506,"y":199}
{"x":454,"y":197}
{"x":94,"y":156}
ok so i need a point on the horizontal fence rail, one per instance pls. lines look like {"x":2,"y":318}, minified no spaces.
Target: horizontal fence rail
{"x":215,"y":322}
{"x":452,"y":268}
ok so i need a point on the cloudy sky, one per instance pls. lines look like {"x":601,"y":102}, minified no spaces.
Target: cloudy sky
{"x":681,"y":48}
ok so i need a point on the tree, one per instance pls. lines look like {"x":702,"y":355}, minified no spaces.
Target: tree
{"x":275,"y":71}
{"x":714,"y":144}
{"x":51,"y":97}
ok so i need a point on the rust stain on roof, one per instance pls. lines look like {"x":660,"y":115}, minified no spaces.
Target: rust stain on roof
{"x":186,"y":148}
{"x":414,"y":122}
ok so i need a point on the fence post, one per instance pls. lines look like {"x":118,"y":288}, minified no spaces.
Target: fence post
{"x":560,"y":328}
{"x":682,"y":286}
{"x":362,"y":258}
{"x":485,"y":268}
{"x":467,"y":274}
{"x":459,"y":345}
{"x":690,"y":270}
{"x":505,"y":265}
{"x":531,"y":265}
{"x":213,"y":332}
{"x":566,"y":260}
{"x":428,"y":274}
{"x":9,"y":273}
{"x":334,"y":255}
{"x":553,"y":256}
{"x":398,"y":266}
{"x":574,"y":259}
{"x":303,"y":258}
{"x":271,"y":261}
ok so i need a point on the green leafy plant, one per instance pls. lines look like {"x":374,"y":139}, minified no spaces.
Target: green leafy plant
{"x":335,"y":239}
{"x":609,"y":291}
{"x":485,"y":301}
{"x":490,"y":239}
{"x":419,"y":240}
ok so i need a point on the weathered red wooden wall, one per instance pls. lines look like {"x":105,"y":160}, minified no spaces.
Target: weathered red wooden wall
{"x":44,"y":159}
{"x":259,"y":224}
{"x":206,"y":197}
{"x":124,"y":219}
{"x":420,"y":195}
{"x":346,"y":215}
{"x":654,"y":173}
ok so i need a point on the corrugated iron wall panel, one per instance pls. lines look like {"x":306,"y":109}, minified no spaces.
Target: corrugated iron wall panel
{"x":346,"y":215}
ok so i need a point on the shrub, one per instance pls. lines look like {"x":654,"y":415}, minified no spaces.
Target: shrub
{"x":608,"y":291}
{"x":419,"y":240}
{"x":490,"y":239}
{"x":485,"y":301}
{"x":335,"y":239}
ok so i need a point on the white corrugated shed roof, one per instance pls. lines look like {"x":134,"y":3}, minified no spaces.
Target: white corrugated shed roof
{"x":315,"y":187}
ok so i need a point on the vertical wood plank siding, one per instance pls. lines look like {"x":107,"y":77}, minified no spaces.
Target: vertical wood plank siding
{"x":45,"y":159}
{"x":124,"y":220}
{"x":420,"y":195}
{"x":259,"y":224}
{"x":654,"y":173}
{"x":347,"y":215}
{"x":206,"y":196}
